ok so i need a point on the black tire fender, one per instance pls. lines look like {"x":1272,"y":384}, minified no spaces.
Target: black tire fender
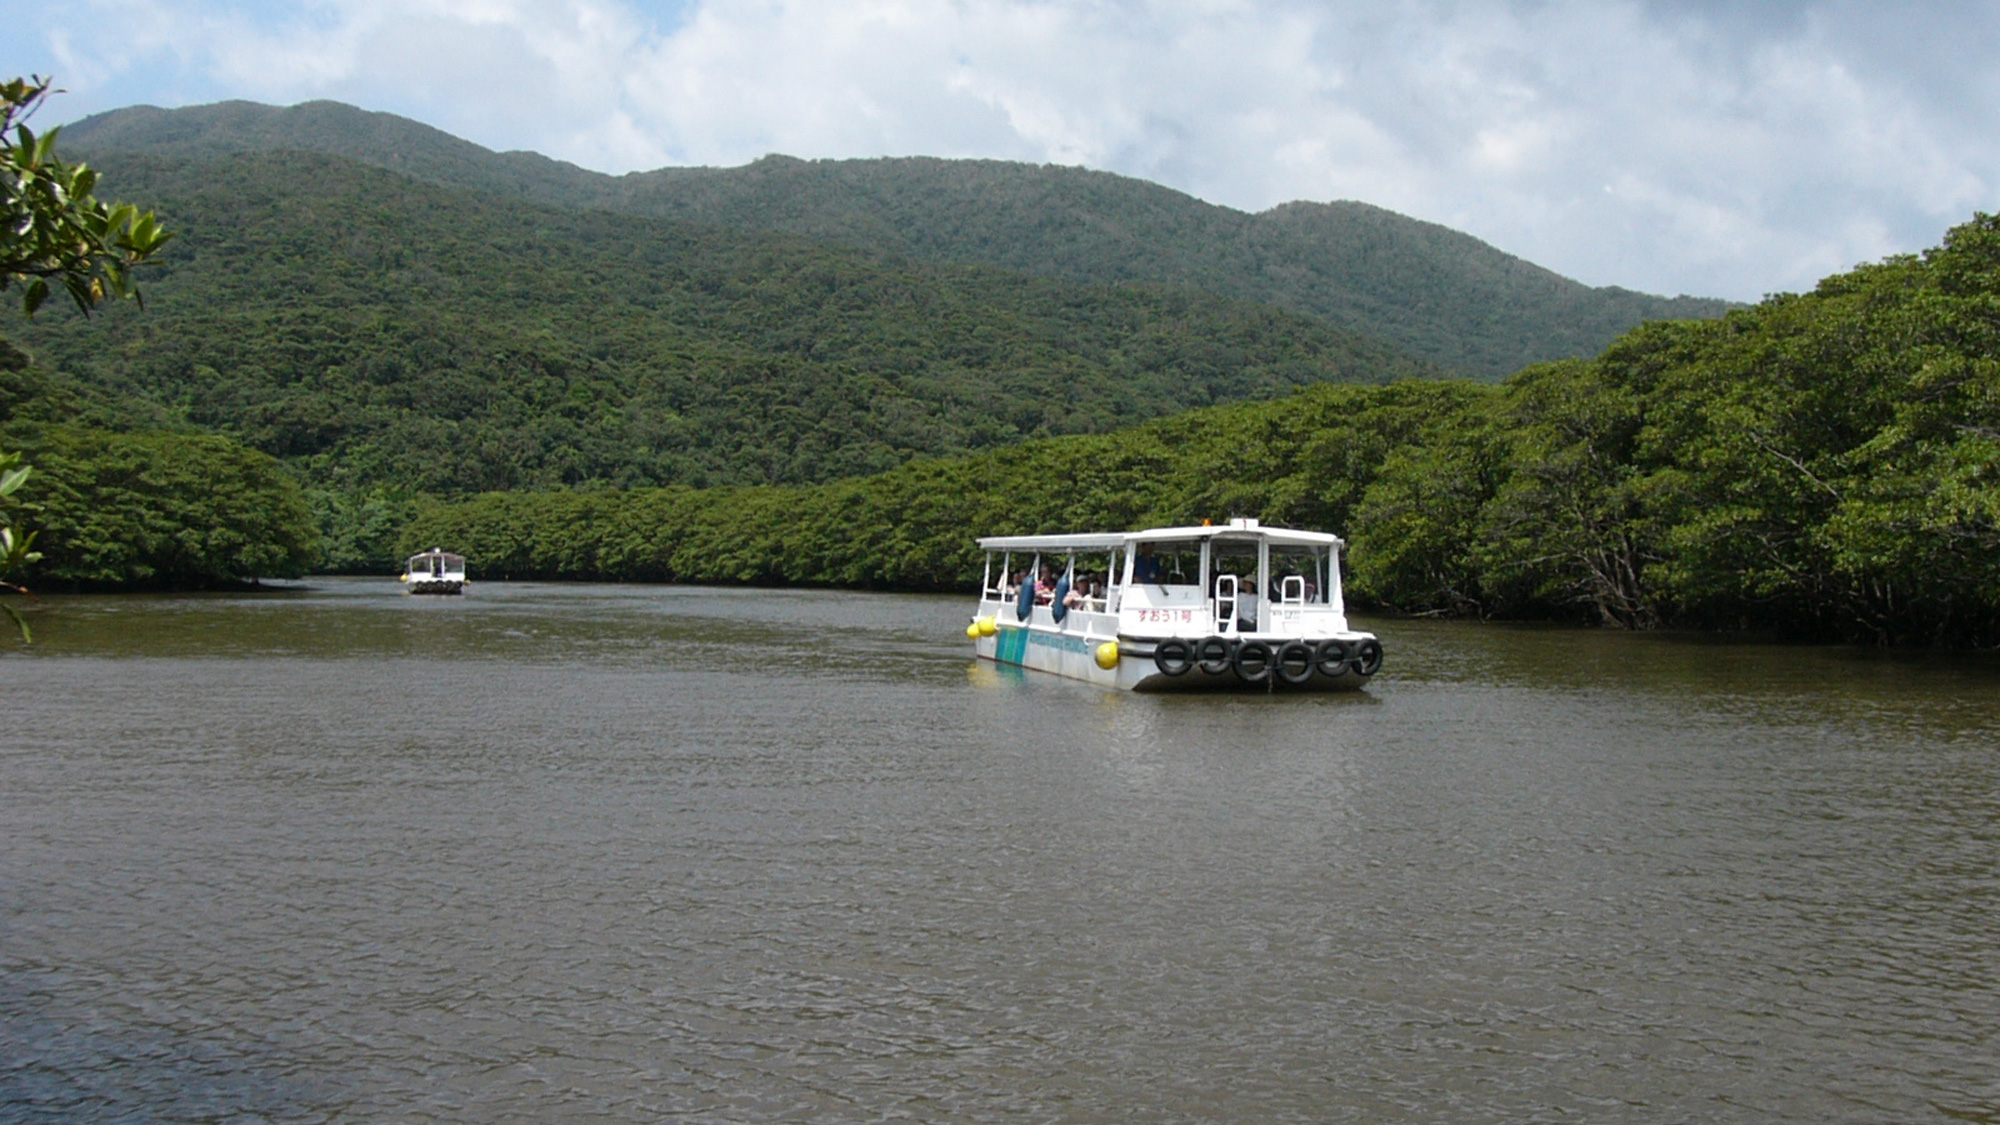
{"x":1173,"y":657}
{"x":1334,"y":657}
{"x":1216,"y":655}
{"x":1294,"y":663}
{"x":1254,"y":662}
{"x":1368,"y":657}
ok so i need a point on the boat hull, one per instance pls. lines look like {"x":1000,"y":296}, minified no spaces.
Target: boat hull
{"x":1074,"y":655}
{"x":435,"y":586}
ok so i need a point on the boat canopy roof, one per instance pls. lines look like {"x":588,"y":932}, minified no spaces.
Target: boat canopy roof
{"x":438,"y":553}
{"x":1107,"y":540}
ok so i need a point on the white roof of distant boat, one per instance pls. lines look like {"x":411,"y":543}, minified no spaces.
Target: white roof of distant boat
{"x":1106,"y":540}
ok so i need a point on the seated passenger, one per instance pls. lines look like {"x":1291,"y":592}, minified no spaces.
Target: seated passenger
{"x":1045,"y":588}
{"x":1082,"y":594}
{"x":1145,"y":566}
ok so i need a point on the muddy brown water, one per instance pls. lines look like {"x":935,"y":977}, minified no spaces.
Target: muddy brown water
{"x":614,"y":853}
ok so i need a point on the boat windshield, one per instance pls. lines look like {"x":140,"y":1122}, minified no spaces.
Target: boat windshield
{"x":435,"y":565}
{"x":1167,"y":562}
{"x":1299,"y":574}
{"x":1237,"y":557}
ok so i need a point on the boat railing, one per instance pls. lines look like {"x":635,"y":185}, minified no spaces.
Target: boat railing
{"x":1227,"y":593}
{"x":1089,"y":618}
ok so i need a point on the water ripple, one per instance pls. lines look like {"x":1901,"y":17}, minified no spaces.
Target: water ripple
{"x":627,"y":853}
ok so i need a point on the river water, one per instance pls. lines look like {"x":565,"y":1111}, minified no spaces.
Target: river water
{"x":605,"y":853}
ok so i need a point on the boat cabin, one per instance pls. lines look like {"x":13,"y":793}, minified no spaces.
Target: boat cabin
{"x":1230,"y":579}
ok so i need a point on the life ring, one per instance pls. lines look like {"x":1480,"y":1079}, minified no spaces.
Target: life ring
{"x":1057,"y":610}
{"x":1333,"y":657}
{"x":1253,"y":662}
{"x":1368,"y":657}
{"x":1215,"y":654}
{"x":1173,"y":657}
{"x":1025,"y":604}
{"x":1294,"y":663}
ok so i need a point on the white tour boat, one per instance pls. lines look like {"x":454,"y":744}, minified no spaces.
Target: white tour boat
{"x":1229,"y":606}
{"x":434,"y":572}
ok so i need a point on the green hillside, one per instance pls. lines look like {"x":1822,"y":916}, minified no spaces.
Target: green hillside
{"x":377,"y":332}
{"x":1825,"y":465}
{"x":334,"y":129}
{"x":1428,"y":290}
{"x":120,"y":498}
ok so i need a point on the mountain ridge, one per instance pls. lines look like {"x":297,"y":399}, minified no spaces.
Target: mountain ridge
{"x":376,"y":331}
{"x":1436,"y":293}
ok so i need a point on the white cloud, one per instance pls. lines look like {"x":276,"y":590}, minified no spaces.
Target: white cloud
{"x":1690,"y":146}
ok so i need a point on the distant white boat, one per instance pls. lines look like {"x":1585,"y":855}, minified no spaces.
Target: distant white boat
{"x":1174,"y":608}
{"x":434,"y":572}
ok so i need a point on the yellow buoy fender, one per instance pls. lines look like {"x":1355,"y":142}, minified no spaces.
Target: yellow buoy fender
{"x":988,"y":626}
{"x":972,"y":631}
{"x":1107,"y":655}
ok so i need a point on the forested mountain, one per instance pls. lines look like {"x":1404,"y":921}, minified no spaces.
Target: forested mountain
{"x":1431,"y":291}
{"x":1826,"y":465}
{"x":379,"y":332}
{"x":1821,"y":464}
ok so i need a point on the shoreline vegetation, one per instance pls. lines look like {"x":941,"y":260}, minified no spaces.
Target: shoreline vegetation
{"x":1820,"y":466}
{"x":359,"y":366}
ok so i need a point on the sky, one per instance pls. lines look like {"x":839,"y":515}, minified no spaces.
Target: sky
{"x":1709,"y":147}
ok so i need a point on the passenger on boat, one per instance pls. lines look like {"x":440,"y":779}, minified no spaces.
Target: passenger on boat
{"x":1145,"y":566}
{"x":1097,"y":599}
{"x":1246,"y":599}
{"x":1045,"y":588}
{"x":1079,"y":595}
